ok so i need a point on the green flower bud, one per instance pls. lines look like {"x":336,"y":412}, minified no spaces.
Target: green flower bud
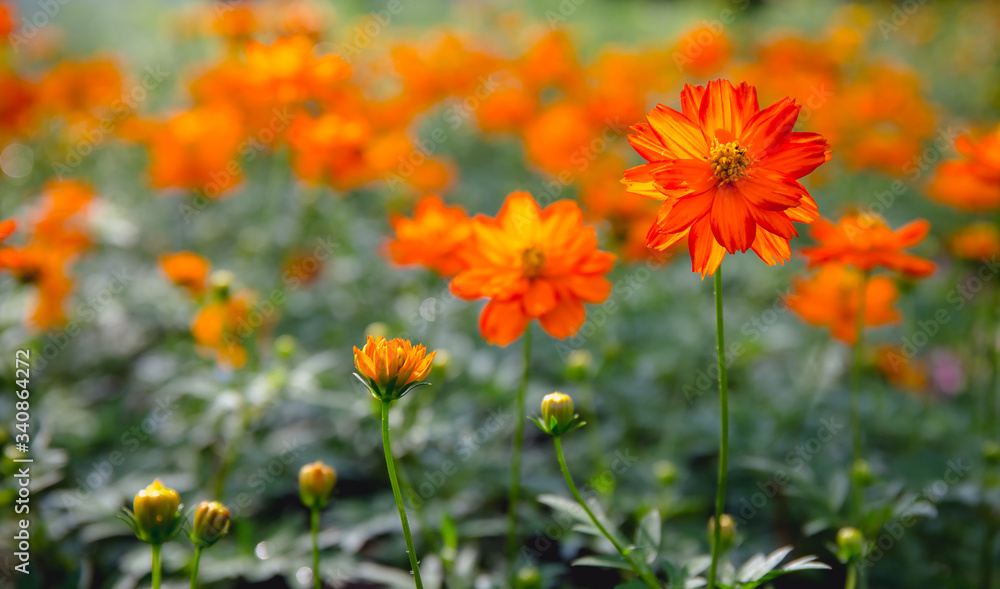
{"x":285,"y":346}
{"x":578,"y":364}
{"x":665,"y":471}
{"x":222,"y":282}
{"x":559,"y":407}
{"x":529,"y":578}
{"x":211,"y":522}
{"x":727,"y":537}
{"x":156,"y":513}
{"x":316,"y":482}
{"x":991,"y":452}
{"x":850,"y":543}
{"x":861,"y":473}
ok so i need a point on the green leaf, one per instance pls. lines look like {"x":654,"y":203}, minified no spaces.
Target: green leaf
{"x":648,"y":536}
{"x":606,"y":561}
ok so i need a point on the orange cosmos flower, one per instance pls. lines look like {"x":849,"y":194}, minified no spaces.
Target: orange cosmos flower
{"x":977,"y":241}
{"x":186,"y":269}
{"x":435,"y":237}
{"x":866,"y":242}
{"x":831,"y":299}
{"x":973,"y":182}
{"x":702,"y":52}
{"x":727,"y":173}
{"x":392,"y":368}
{"x":533,"y":264}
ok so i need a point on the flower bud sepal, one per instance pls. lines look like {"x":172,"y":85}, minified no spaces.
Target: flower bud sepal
{"x":390,"y":392}
{"x":553,"y":428}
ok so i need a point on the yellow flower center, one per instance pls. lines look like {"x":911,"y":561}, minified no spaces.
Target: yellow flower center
{"x":532,"y":261}
{"x":729,"y":161}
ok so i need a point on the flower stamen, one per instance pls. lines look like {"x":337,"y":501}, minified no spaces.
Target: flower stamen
{"x":532,"y":261}
{"x":729,"y":161}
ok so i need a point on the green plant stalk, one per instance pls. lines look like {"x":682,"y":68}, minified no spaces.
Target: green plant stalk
{"x":389,"y":463}
{"x":852,"y":575}
{"x":156,"y":565}
{"x":856,"y":446}
{"x":317,"y":578}
{"x":720,"y":497}
{"x":989,"y":475}
{"x":641,"y":571}
{"x":514,"y":490}
{"x":194,"y":567}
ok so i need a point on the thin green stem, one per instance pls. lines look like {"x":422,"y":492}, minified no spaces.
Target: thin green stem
{"x":994,"y":352}
{"x":194,"y":567}
{"x":720,"y":497}
{"x":390,"y":464}
{"x":514,"y":490}
{"x":641,"y":571}
{"x":852,"y":576}
{"x":317,"y":578}
{"x":856,"y":446}
{"x":156,"y":565}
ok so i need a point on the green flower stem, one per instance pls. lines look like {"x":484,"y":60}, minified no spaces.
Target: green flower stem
{"x":856,"y":448}
{"x":194,"y":567}
{"x":720,"y":497}
{"x":514,"y":490}
{"x":317,"y":578}
{"x":852,"y":575}
{"x":990,"y":400}
{"x":390,"y":464}
{"x":156,"y":565}
{"x":641,"y":571}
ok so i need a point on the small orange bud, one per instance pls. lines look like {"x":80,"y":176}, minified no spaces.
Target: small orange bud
{"x":316,"y":482}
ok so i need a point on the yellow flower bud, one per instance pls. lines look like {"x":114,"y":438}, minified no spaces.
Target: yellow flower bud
{"x":222,"y":282}
{"x":727,"y":537}
{"x":559,"y":406}
{"x":991,"y":452}
{"x":156,"y":512}
{"x":850,"y":542}
{"x":285,"y":346}
{"x":861,"y":473}
{"x":211,"y":522}
{"x":316,"y":482}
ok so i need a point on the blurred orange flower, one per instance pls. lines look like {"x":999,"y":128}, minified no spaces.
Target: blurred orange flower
{"x":973,"y":182}
{"x":702,"y":52}
{"x":198,"y":150}
{"x":831,"y":298}
{"x":866,"y":242}
{"x":533,"y":264}
{"x":81,"y":91}
{"x":976,"y":241}
{"x":221,"y":326}
{"x":186,"y":269}
{"x":901,"y":371}
{"x":727,"y":173}
{"x":436,"y":237}
{"x":56,"y":235}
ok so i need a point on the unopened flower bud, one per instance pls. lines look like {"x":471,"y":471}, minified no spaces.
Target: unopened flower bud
{"x":222,"y":282}
{"x":529,"y":578}
{"x":559,"y":407}
{"x":850,"y":543}
{"x":578,"y":364}
{"x":285,"y":346}
{"x":211,"y":522}
{"x":861,"y":473}
{"x":665,"y":471}
{"x":156,"y":513}
{"x":727,"y":535}
{"x":991,"y":452}
{"x":316,"y":482}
